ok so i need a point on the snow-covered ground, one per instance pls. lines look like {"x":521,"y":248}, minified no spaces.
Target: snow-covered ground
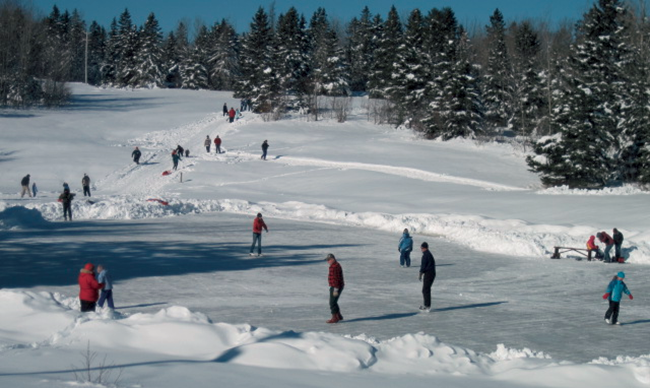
{"x":194,"y":308}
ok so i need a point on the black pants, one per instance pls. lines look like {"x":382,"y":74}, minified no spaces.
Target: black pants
{"x":87,"y":306}
{"x":86,"y":191}
{"x":334,"y":301}
{"x":612,"y":311}
{"x":67,"y":211}
{"x":427,"y":282}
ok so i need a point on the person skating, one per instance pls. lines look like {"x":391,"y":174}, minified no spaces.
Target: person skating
{"x":231,"y":115}
{"x":427,"y":275}
{"x":66,"y":199}
{"x":617,"y":236}
{"x":207,"y":143}
{"x":106,"y":293}
{"x":175,"y":159}
{"x":609,"y":243}
{"x":614,"y":293}
{"x":336,"y":283}
{"x":404,"y":247}
{"x":217,"y":144}
{"x":136,"y":155}
{"x":88,"y":288}
{"x":265,"y":147}
{"x":25,"y":186}
{"x":258,"y":225}
{"x":34,"y":189}
{"x":85,"y":183}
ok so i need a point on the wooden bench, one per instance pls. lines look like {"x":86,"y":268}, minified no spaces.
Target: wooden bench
{"x":583,"y":251}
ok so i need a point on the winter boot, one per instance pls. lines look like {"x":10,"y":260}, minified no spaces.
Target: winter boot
{"x":334,"y":319}
{"x":339,"y":316}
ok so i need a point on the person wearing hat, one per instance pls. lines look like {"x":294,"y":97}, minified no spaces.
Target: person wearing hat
{"x":404,"y":247}
{"x":85,"y":183}
{"x":258,"y":225}
{"x":614,"y":293}
{"x":88,"y":288}
{"x":427,"y":275}
{"x":617,"y":236}
{"x":66,"y":199}
{"x":606,"y":239}
{"x":25,"y":186}
{"x":336,"y":283}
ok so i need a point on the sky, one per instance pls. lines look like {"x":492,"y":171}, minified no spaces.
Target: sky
{"x":240,"y":13}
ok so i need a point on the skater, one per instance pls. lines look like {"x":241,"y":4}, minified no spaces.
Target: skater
{"x":34,"y":189}
{"x":225,"y":109}
{"x":66,"y":199}
{"x":231,"y":115}
{"x":591,"y":246}
{"x":265,"y":147}
{"x":217,"y":144}
{"x":609,"y":243}
{"x":207,"y":143}
{"x":25,"y":186}
{"x":85,"y":183}
{"x":614,"y":292}
{"x":136,"y":155}
{"x":404,"y":247}
{"x":88,"y":287}
{"x":618,"y":241}
{"x":107,"y":292}
{"x":336,"y":283}
{"x":428,"y":272}
{"x":175,"y":159}
{"x":258,"y":225}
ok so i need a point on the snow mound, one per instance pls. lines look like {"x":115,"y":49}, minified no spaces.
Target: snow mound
{"x":19,"y":217}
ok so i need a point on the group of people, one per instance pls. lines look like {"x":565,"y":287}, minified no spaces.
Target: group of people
{"x":65,"y":197}
{"x":232,"y":113}
{"x":616,"y":241}
{"x":217,"y":144}
{"x":90,"y":285}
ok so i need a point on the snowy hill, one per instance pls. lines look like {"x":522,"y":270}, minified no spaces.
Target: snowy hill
{"x":326,"y":187}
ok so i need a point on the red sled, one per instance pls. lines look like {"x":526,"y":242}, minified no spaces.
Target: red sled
{"x":621,"y":260}
{"x":160,"y":201}
{"x":165,"y":173}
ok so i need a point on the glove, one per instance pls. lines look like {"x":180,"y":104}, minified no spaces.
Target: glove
{"x":335,"y":293}
{"x":606,"y":296}
{"x":420,"y":277}
{"x":631,"y":297}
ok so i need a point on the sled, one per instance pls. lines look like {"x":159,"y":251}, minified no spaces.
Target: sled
{"x":160,"y":201}
{"x":168,"y":172}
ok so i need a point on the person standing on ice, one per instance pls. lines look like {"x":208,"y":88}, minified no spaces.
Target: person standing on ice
{"x":258,"y":225}
{"x":336,"y":283}
{"x":66,"y":199}
{"x":265,"y":147}
{"x":107,"y":291}
{"x":85,"y":183}
{"x":618,"y":241}
{"x":609,"y":243}
{"x":614,"y":293}
{"x":231,"y":114}
{"x":217,"y":144}
{"x":88,"y":288}
{"x":34,"y":189}
{"x":225,"y":109}
{"x":175,"y":159}
{"x":207,"y":143}
{"x":404,"y":247}
{"x":427,"y":275}
{"x":25,"y":186}
{"x":136,"y":155}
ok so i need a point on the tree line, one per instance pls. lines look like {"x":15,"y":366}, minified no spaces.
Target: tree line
{"x":578,"y":94}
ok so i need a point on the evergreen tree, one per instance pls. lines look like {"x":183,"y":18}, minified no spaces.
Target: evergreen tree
{"x":111,"y":57}
{"x":292,"y":52}
{"x":194,"y":67}
{"x":149,"y":58}
{"x":360,"y":50}
{"x":223,"y":57}
{"x":386,"y":55}
{"x":328,"y":67}
{"x":126,"y":49}
{"x":96,"y":53}
{"x":497,"y":91}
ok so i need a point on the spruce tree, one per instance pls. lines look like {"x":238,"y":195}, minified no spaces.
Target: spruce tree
{"x":149,"y":58}
{"x":497,"y":89}
{"x":360,"y":50}
{"x":223,"y":56}
{"x":96,"y":53}
{"x":292,"y":52}
{"x":386,"y":55}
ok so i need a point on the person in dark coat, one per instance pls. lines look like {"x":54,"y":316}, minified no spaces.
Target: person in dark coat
{"x":180,"y":151}
{"x":136,"y":155}
{"x":25,"y":186}
{"x":427,"y":275}
{"x":225,"y":109}
{"x":618,"y":241}
{"x":265,"y":147}
{"x":175,"y":159}
{"x":85,"y":183}
{"x":66,"y":199}
{"x":336,"y":283}
{"x":88,"y":288}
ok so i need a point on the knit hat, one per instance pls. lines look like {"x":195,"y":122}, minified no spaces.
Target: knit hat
{"x":330,"y":256}
{"x":424,"y":245}
{"x":621,"y":275}
{"x":89,"y":267}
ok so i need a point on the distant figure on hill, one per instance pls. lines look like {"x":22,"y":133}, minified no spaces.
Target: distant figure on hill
{"x":428,"y":272}
{"x":336,"y":283}
{"x":107,"y":292}
{"x":88,"y":288}
{"x":225,"y":109}
{"x":618,"y":241}
{"x":242,"y":104}
{"x":136,"y":155}
{"x":180,"y":151}
{"x":187,"y":153}
{"x":25,"y":186}
{"x":207,"y":143}
{"x":404,"y":247}
{"x":66,"y":186}
{"x":614,"y":294}
{"x":237,"y":114}
{"x":175,"y":159}
{"x":265,"y":147}
{"x":258,"y":225}
{"x":217,"y":144}
{"x":66,"y":200}
{"x":85,"y":183}
{"x":34,"y":189}
{"x":231,"y":115}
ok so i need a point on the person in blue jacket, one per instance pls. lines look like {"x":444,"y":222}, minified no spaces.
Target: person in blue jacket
{"x":404,"y":247}
{"x":614,"y":292}
{"x":107,"y":291}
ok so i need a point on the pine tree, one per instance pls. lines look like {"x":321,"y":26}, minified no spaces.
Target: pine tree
{"x":360,"y":50}
{"x":327,"y":63}
{"x":386,"y":55}
{"x":292,"y":52}
{"x":223,"y":56}
{"x":126,"y":46}
{"x":497,"y":90}
{"x":149,"y":58}
{"x":194,"y":67}
{"x":96,"y":53}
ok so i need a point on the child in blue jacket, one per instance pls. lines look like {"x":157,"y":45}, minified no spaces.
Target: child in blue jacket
{"x":614,"y":292}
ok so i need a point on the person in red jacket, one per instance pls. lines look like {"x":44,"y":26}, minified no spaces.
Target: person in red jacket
{"x":88,"y":288}
{"x":336,"y":283}
{"x":217,"y":144}
{"x":258,"y":225}
{"x":231,"y":114}
{"x":609,"y":243}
